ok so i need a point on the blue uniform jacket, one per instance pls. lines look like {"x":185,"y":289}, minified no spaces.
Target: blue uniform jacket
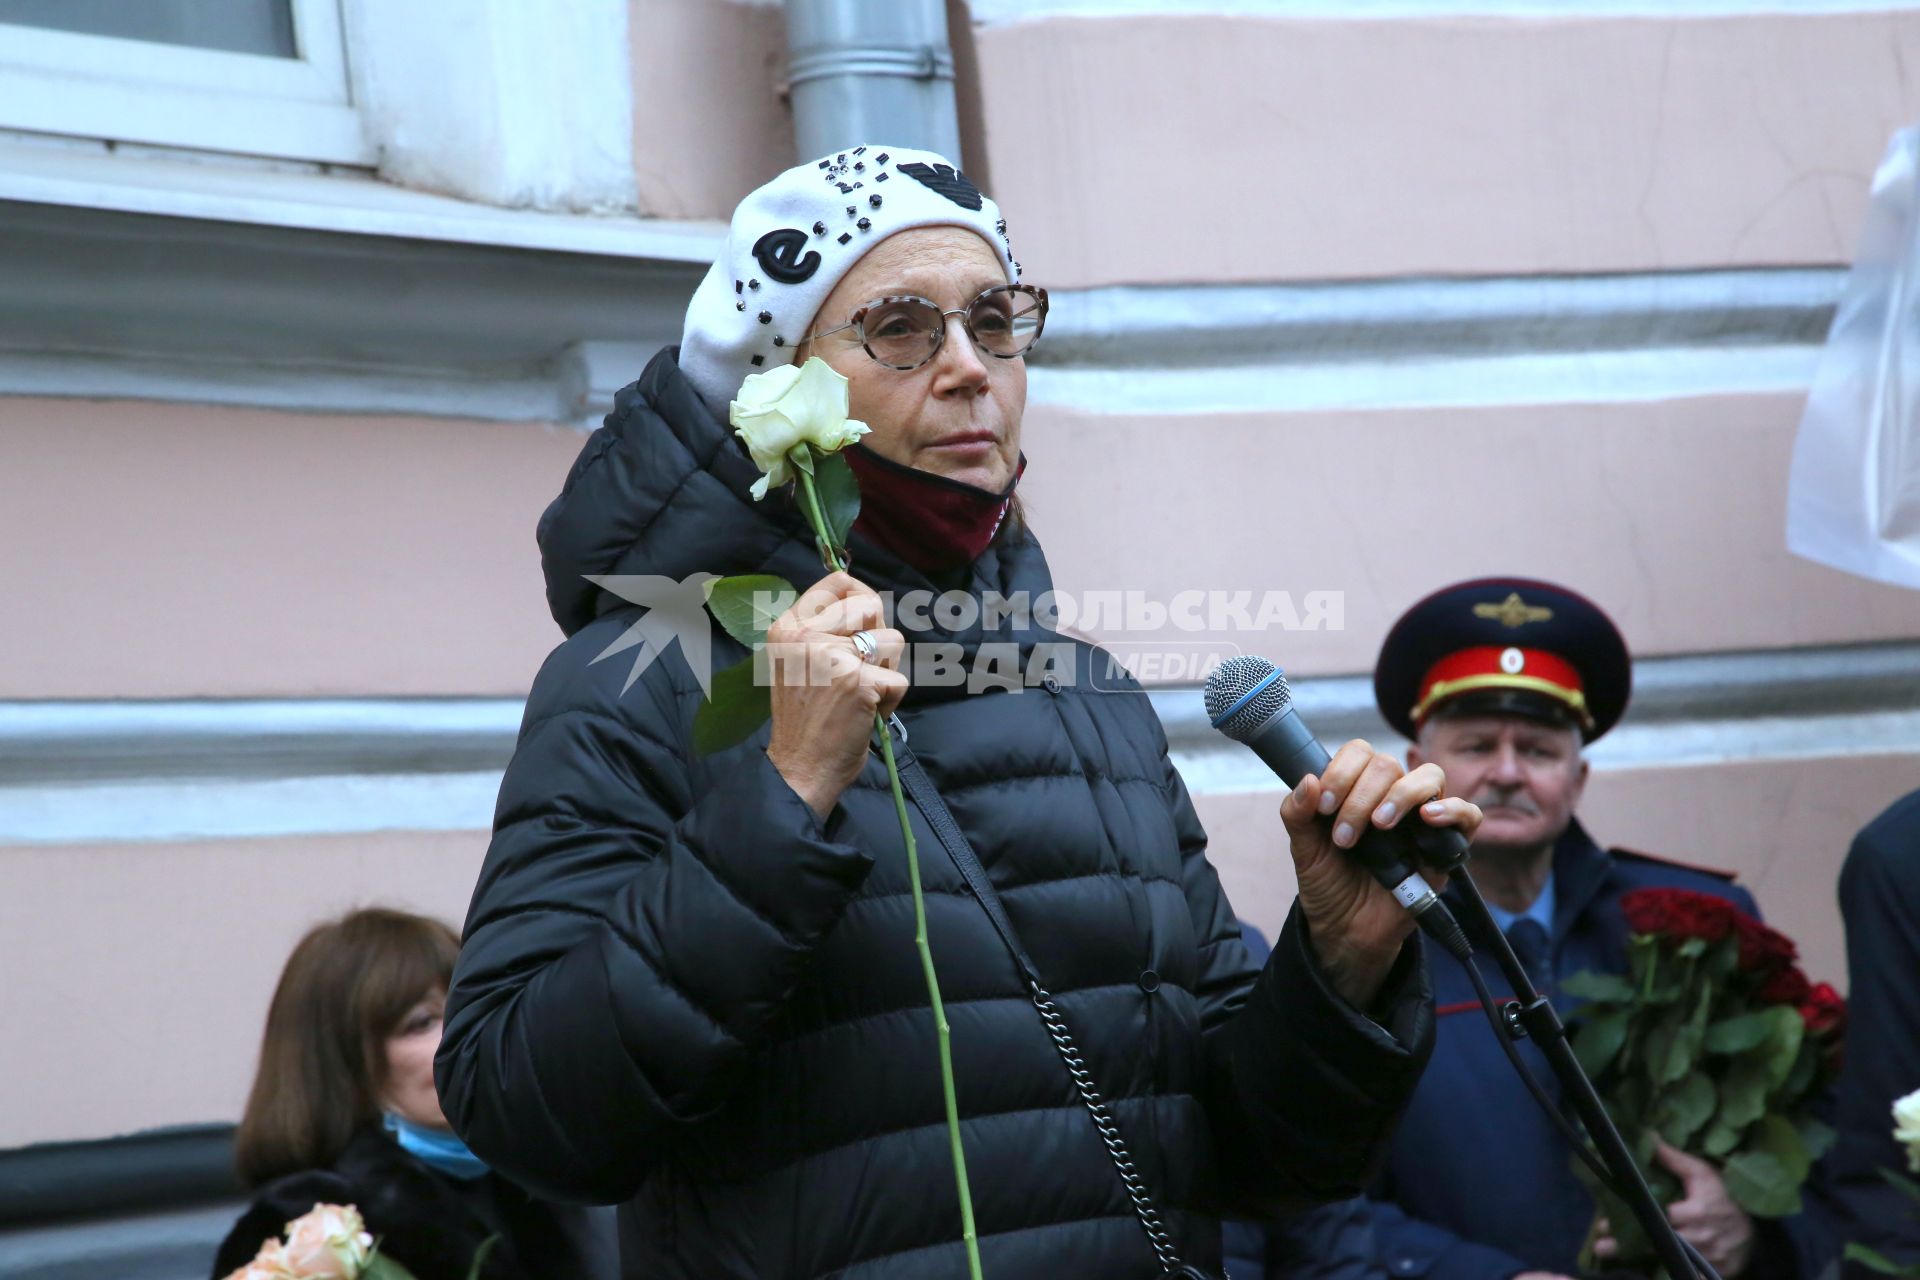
{"x":1880,"y":902}
{"x":1479,"y":1185}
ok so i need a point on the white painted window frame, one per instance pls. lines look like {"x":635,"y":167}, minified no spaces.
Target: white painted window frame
{"x":518,"y":104}
{"x":489,"y":125}
{"x":144,"y":92}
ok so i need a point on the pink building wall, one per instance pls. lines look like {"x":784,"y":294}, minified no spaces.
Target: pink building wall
{"x":142,"y":971}
{"x":1169,"y":148}
{"x":183,"y":551}
{"x":168,"y":550}
{"x":1669,"y":514}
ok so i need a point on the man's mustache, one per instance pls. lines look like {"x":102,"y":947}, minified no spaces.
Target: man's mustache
{"x":1498,"y":798}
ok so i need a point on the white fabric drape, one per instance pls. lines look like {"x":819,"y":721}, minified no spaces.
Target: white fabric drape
{"x":1853,"y":494}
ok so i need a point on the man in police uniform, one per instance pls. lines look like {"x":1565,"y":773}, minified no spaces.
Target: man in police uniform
{"x":1502,"y":682}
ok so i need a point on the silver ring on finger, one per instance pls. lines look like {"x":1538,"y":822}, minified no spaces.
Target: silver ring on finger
{"x":865,"y":646}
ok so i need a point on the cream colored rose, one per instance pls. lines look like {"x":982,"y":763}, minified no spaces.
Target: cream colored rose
{"x":1906,"y":1127}
{"x":328,"y":1242}
{"x":787,"y":408}
{"x":270,"y":1263}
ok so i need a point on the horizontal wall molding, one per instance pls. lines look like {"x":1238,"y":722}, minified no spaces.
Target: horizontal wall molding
{"x":1209,"y":325}
{"x":234,"y":297}
{"x":181,"y":809}
{"x":1000,"y":12}
{"x":1544,"y":339}
{"x":252,"y":739}
{"x":75,"y":174}
{"x":1694,"y":710}
{"x":90,"y":772}
{"x":144,"y":278}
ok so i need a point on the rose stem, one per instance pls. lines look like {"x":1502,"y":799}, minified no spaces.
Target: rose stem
{"x":939,"y":1010}
{"x":829,"y":552}
{"x":835,"y":560}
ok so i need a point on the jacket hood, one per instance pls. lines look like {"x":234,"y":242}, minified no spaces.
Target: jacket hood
{"x":662,"y":489}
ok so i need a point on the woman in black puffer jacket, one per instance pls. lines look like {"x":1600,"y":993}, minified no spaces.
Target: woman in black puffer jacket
{"x":689,"y":982}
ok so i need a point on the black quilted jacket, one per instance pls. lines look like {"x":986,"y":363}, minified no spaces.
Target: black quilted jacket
{"x":681,"y":991}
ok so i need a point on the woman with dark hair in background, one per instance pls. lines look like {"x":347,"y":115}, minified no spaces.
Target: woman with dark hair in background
{"x":344,"y":1111}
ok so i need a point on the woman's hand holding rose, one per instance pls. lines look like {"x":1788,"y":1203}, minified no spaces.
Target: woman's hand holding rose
{"x":824,"y":696}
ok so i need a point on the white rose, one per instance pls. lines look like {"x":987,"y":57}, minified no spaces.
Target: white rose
{"x":789,"y":408}
{"x":328,"y":1242}
{"x":1906,"y":1127}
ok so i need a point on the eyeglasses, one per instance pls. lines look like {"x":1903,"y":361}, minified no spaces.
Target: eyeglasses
{"x":905,"y":331}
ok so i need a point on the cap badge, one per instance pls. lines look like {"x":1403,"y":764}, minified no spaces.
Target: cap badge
{"x":1513,"y":612}
{"x":783,"y":254}
{"x":945,"y":180}
{"x":1512,"y":661}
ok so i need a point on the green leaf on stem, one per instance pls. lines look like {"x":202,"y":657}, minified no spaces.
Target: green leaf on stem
{"x":1703,"y":994}
{"x":801,"y":456}
{"x":1721,"y":1137}
{"x":480,"y":1256}
{"x":1762,"y":1185}
{"x":1687,"y":1107}
{"x":1738,"y":1034}
{"x":1656,"y":973}
{"x":1782,"y":1046}
{"x":1900,"y":1182}
{"x":1597,"y":1040}
{"x":839,"y":495}
{"x":1599,"y":988}
{"x":1629,"y":1238}
{"x":381,"y":1267}
{"x":1645,"y":1141}
{"x":1692,"y":949}
{"x":1673,"y":1047}
{"x":1743,"y":1091}
{"x":1817,"y":1138}
{"x":1776,"y":1136}
{"x":1806,"y":1065}
{"x":1641,"y":950}
{"x":738,"y":705}
{"x":746,"y":604}
{"x":1874,"y":1260}
{"x":1633,"y":1096}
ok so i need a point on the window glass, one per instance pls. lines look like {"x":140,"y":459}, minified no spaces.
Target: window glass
{"x":231,"y":26}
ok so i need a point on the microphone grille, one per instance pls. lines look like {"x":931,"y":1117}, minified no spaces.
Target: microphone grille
{"x":1232,"y":681}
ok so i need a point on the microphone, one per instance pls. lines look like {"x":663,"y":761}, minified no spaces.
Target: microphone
{"x":1248,"y":700}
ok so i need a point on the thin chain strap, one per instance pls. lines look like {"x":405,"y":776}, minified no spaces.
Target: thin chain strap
{"x":927,"y":797}
{"x":1143,"y":1206}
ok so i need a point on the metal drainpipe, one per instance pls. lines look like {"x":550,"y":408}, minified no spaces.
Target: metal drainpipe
{"x":871,"y":71}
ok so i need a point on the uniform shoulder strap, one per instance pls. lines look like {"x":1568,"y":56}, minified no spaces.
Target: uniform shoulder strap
{"x":1654,"y":859}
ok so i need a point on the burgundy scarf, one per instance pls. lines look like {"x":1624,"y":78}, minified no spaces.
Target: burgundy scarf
{"x":933,"y":523}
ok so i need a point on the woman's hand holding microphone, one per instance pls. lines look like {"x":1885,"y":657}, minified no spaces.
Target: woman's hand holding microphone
{"x":1356,"y":926}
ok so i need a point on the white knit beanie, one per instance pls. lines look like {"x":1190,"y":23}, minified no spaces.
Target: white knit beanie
{"x":793,"y":239}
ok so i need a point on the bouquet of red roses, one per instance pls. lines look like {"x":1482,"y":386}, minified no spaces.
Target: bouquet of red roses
{"x":1714,"y":1041}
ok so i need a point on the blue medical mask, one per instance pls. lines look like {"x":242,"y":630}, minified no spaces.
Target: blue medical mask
{"x":436,"y":1148}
